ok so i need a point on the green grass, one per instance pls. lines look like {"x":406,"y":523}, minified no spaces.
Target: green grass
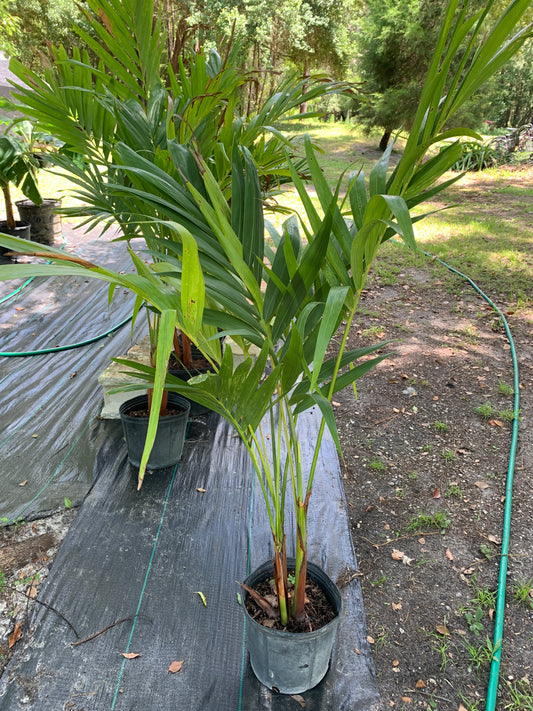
{"x":438,"y":520}
{"x":485,"y":411}
{"x":487,"y":233}
{"x":522,"y":592}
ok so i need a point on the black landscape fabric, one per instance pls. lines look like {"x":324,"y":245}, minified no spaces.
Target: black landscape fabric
{"x":150,"y":554}
{"x":50,"y":435}
{"x":163,"y":562}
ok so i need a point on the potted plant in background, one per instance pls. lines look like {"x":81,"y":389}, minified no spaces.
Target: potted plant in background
{"x":289,"y":300}
{"x":41,"y":213}
{"x":18,"y":167}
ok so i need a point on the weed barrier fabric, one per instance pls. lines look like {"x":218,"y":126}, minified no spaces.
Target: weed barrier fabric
{"x":145,"y":557}
{"x":50,"y":435}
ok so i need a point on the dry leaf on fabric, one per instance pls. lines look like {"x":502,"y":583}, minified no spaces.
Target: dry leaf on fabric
{"x":130,"y":655}
{"x":175,"y":667}
{"x":15,"y":635}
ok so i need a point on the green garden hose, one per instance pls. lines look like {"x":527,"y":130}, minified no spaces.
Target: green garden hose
{"x":70,"y":346}
{"x":502,"y":578}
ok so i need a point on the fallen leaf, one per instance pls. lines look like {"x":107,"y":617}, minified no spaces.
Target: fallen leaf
{"x":391,"y":704}
{"x":19,"y":308}
{"x":175,"y":667}
{"x":461,"y":708}
{"x":443,"y":630}
{"x":396,"y":605}
{"x":496,"y":422}
{"x":370,"y":640}
{"x":494,"y":539}
{"x":420,"y":684}
{"x":406,"y":699}
{"x":436,"y":493}
{"x":449,"y":554}
{"x":23,"y":483}
{"x":396,"y":663}
{"x":482,"y":485}
{"x":202,"y":491}
{"x":31,"y":592}
{"x":335,"y":404}
{"x":357,"y":651}
{"x":202,"y":597}
{"x":299,"y":699}
{"x":15,"y":635}
{"x":130,"y":655}
{"x":396,"y":554}
{"x":422,"y":541}
{"x":35,"y":436}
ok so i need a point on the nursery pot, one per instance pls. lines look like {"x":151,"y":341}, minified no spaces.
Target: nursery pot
{"x":22,"y":230}
{"x":170,"y":435}
{"x":287,"y":661}
{"x":45,"y":222}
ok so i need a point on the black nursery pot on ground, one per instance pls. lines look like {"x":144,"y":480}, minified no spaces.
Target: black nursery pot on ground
{"x":171,"y":431}
{"x":292,"y":662}
{"x":21,"y":229}
{"x":44,"y":219}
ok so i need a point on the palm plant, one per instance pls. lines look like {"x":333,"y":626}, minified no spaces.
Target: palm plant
{"x":18,"y":167}
{"x":211,"y":268}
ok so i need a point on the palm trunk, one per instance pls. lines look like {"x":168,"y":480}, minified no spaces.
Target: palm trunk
{"x":10,"y":216}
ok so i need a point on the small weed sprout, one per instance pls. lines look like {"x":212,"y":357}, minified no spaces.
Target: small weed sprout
{"x":522,"y":592}
{"x":377,"y":465}
{"x":487,"y":551}
{"x":479,"y":655}
{"x":449,"y":455}
{"x":508,"y":415}
{"x":521,"y":695}
{"x":440,"y":426}
{"x":453,"y":490}
{"x":505,"y":389}
{"x":473,"y":620}
{"x":373,"y":332}
{"x":485,"y":411}
{"x":437,"y":520}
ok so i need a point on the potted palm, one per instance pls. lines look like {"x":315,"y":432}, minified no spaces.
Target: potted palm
{"x":18,"y":168}
{"x":294,"y":301}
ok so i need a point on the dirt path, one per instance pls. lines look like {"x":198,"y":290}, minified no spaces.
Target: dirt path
{"x":426,"y":452}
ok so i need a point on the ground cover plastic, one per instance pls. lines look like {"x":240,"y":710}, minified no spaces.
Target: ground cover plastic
{"x":151,"y":554}
{"x":50,"y":435}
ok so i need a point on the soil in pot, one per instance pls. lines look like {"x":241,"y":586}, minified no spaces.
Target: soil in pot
{"x":318,"y":608}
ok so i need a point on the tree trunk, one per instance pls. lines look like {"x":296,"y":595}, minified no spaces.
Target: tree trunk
{"x":305,"y":86}
{"x":385,"y":140}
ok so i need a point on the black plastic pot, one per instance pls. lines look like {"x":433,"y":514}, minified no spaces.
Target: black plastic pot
{"x":22,"y":230}
{"x":289,"y":662}
{"x":170,"y":436}
{"x":44,"y":220}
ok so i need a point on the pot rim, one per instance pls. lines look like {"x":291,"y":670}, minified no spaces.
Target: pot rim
{"x":311,"y":568}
